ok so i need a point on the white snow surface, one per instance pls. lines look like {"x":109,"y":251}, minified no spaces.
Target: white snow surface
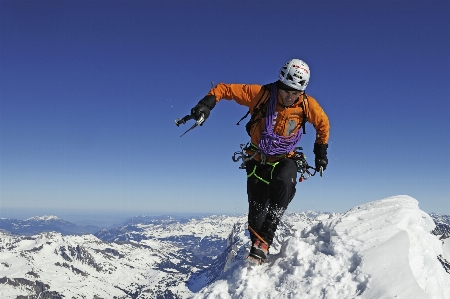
{"x":382,"y":249}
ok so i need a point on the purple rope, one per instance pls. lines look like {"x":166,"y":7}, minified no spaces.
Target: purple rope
{"x":271,"y":143}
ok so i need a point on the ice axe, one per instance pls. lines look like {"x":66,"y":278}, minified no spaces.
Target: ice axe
{"x":182,"y":121}
{"x":199,"y":121}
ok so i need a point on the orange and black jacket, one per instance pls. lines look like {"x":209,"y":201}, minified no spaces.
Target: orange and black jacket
{"x":288,"y":119}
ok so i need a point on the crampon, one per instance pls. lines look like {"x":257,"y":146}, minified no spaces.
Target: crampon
{"x":259,"y":249}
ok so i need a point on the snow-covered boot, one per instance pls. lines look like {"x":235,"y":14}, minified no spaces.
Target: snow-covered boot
{"x":259,"y":251}
{"x":260,"y":247}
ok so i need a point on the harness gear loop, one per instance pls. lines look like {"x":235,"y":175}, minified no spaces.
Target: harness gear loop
{"x":302,"y":166}
{"x":242,"y":155}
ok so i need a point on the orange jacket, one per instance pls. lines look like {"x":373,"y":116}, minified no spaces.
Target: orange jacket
{"x":288,"y":119}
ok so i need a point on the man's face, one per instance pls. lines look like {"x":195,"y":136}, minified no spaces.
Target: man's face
{"x":288,"y":97}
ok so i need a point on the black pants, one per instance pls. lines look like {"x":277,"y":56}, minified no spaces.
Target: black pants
{"x":270,"y":189}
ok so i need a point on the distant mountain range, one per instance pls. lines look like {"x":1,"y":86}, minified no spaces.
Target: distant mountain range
{"x":144,"y":258}
{"x":131,"y":229}
{"x":37,"y":225}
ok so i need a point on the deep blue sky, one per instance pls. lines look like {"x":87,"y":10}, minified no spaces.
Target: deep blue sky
{"x":90,"y":91}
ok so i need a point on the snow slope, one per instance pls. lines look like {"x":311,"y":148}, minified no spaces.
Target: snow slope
{"x":381,"y":249}
{"x":51,"y":265}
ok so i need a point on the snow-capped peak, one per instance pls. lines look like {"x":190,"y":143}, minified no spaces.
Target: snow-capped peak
{"x":43,"y":218}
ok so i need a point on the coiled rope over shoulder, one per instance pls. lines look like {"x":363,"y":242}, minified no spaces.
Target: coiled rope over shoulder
{"x":271,"y":143}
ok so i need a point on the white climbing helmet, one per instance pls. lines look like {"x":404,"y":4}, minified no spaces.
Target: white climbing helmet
{"x":295,"y":73}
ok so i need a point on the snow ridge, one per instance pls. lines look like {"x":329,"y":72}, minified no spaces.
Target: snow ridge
{"x":382,"y":249}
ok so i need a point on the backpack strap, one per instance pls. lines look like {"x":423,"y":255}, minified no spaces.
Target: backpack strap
{"x":305,"y":104}
{"x":257,"y":106}
{"x":259,"y":109}
{"x":244,"y":117}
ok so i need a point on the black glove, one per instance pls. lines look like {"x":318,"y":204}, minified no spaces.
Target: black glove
{"x":204,"y":107}
{"x":320,"y":150}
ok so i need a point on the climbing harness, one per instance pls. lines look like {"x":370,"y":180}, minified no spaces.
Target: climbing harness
{"x":299,"y":158}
